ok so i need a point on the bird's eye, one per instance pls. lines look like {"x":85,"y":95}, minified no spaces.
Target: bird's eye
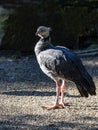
{"x":42,"y":30}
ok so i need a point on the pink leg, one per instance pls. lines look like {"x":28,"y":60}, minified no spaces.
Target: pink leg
{"x":58,"y":90}
{"x":62,"y":90}
{"x":56,"y":105}
{"x":62,"y":93}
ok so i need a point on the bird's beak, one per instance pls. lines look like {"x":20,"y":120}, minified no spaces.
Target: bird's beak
{"x":37,"y":32}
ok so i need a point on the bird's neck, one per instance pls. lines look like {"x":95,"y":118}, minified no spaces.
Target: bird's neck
{"x":43,"y":44}
{"x":46,"y":39}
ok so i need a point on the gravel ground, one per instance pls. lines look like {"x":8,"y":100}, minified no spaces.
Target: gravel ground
{"x":24,"y":89}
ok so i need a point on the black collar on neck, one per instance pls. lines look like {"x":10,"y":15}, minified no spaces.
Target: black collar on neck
{"x":46,"y":38}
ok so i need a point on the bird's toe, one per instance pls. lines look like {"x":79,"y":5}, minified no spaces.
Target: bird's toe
{"x":53,"y":107}
{"x":65,"y":104}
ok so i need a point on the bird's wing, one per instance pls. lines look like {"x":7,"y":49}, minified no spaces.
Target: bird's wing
{"x":57,"y":62}
{"x":79,"y":75}
{"x":73,"y":58}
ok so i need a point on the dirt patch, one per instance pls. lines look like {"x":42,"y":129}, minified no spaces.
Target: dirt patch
{"x":24,"y":89}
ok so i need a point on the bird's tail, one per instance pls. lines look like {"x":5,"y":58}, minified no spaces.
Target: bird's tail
{"x":86,"y":85}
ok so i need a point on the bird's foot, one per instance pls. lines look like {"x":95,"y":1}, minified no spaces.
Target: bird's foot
{"x":65,"y":104}
{"x":53,"y":107}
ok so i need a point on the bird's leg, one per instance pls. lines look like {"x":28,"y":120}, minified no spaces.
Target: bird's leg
{"x":62,"y":93}
{"x":63,"y":103}
{"x":58,"y":90}
{"x":62,"y":90}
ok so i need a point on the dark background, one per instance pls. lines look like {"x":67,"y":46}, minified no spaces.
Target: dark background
{"x":74,"y":23}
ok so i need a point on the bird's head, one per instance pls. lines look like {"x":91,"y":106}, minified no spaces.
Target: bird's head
{"x":43,"y":31}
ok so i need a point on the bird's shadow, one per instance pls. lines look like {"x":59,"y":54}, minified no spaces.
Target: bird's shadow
{"x":29,"y":93}
{"x":73,"y":96}
{"x":36,"y":93}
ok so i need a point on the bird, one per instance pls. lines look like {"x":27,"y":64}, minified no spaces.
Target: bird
{"x":61,"y":64}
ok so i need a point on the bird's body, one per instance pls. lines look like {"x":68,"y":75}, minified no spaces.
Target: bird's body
{"x":60,"y":63}
{"x":54,"y":63}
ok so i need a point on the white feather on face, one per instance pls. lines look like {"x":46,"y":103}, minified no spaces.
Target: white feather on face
{"x":43,"y":31}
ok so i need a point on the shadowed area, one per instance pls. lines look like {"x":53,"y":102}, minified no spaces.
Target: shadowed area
{"x":24,"y":122}
{"x":29,"y":93}
{"x":37,"y":93}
